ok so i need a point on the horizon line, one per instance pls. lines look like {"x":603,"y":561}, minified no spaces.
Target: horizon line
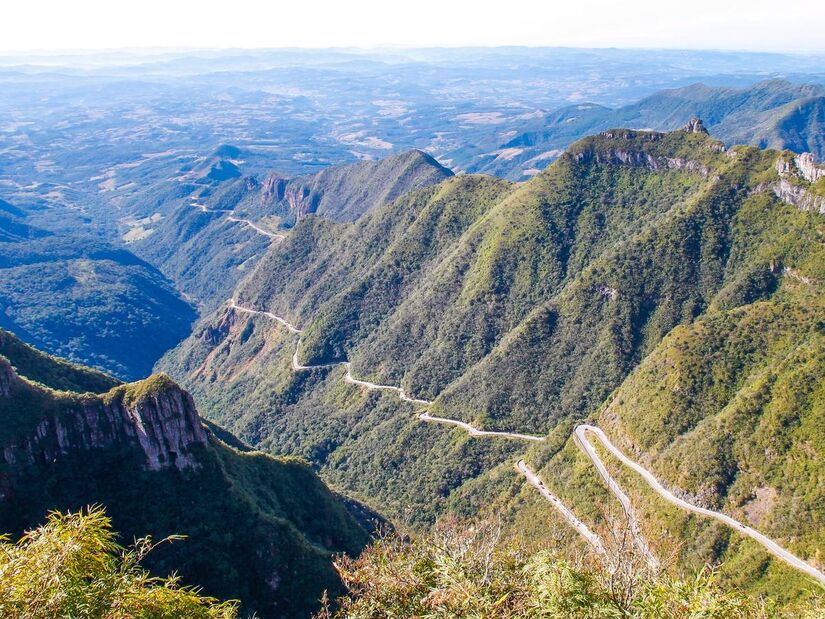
{"x":88,"y":51}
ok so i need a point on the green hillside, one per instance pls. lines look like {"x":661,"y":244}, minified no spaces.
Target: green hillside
{"x":89,"y":301}
{"x":203,"y":239}
{"x":50,"y":371}
{"x":525,"y":308}
{"x":257,"y":529}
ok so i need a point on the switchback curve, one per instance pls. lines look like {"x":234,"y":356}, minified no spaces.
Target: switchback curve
{"x":202,"y":207}
{"x":580,"y":436}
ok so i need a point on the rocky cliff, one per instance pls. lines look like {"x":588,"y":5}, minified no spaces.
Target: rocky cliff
{"x":797,"y":175}
{"x":258,"y":529}
{"x":154,"y":416}
{"x":344,"y":193}
{"x":649,"y":149}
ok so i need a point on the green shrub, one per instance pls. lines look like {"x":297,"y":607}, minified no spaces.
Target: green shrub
{"x":72,"y":567}
{"x":463,"y":571}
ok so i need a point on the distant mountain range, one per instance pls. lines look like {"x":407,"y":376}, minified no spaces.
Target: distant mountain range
{"x":198,"y":218}
{"x":769,"y":114}
{"x":259,"y":529}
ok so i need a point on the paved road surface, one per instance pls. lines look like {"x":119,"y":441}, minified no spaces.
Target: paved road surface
{"x":476,"y":432}
{"x":594,"y":540}
{"x":255,"y":227}
{"x":630,"y":514}
{"x":270,"y":315}
{"x":770,"y":545}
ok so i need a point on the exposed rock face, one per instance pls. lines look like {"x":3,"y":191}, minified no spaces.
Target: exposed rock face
{"x":636,"y":154}
{"x":273,"y":187}
{"x":635,"y":158}
{"x":301,"y":200}
{"x":294,"y":192}
{"x":214,"y":334}
{"x":608,"y":292}
{"x":695,"y":125}
{"x":155,"y":417}
{"x":795,"y":193}
{"x":166,"y":425}
{"x":799,"y":197}
{"x":808,"y":168}
{"x":345,"y":192}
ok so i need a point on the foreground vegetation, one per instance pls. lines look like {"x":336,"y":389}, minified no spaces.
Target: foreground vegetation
{"x":73,"y":567}
{"x":259,"y":529}
{"x":461,"y":571}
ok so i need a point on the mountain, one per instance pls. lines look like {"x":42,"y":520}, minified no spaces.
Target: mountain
{"x":526,"y":308}
{"x":259,"y":529}
{"x":87,"y":300}
{"x":207,"y":238}
{"x":799,"y":126}
{"x":769,"y":114}
{"x":344,"y":193}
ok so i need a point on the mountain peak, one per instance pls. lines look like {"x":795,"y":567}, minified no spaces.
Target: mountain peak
{"x":227,"y":151}
{"x":422,"y":157}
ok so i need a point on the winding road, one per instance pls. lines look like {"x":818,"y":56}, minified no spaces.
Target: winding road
{"x":770,"y":545}
{"x":594,"y":540}
{"x":473,"y":431}
{"x":270,"y":315}
{"x":247,"y":222}
{"x":581,"y":437}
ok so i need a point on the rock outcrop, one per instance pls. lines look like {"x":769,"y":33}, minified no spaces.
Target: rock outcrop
{"x":345,"y":192}
{"x":791,"y":187}
{"x":695,"y":125}
{"x":273,"y":187}
{"x":154,"y":416}
{"x":639,"y":159}
{"x":293,"y":192}
{"x":301,"y":200}
{"x":260,"y":529}
{"x":643,"y":149}
{"x":807,"y":167}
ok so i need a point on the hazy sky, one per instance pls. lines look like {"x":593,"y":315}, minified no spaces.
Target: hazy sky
{"x":789,"y":25}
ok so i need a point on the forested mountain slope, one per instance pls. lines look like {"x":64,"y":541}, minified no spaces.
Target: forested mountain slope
{"x":83,"y":298}
{"x":727,"y":412}
{"x":524,"y":308}
{"x":259,"y":529}
{"x":771,"y":114}
{"x":207,"y":233}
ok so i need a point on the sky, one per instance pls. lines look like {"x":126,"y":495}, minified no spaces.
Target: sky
{"x":758,"y":25}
